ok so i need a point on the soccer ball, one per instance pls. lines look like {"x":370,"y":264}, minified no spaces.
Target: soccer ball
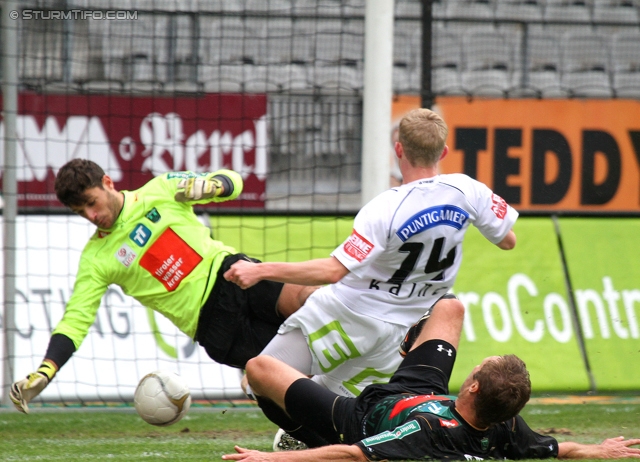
{"x":162,"y":398}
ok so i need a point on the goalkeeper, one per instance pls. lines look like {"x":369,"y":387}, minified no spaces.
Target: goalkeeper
{"x":151,"y":244}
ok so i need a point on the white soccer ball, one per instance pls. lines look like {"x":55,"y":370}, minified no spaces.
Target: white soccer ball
{"x":162,"y":398}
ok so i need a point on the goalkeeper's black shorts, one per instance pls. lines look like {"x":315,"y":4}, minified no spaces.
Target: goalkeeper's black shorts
{"x":236,"y":324}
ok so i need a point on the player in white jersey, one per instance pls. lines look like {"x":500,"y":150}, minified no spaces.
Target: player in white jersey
{"x":401,"y":258}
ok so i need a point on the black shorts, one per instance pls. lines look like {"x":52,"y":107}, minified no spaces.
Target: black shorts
{"x":312,"y":406}
{"x":339,"y":419}
{"x":236,"y":324}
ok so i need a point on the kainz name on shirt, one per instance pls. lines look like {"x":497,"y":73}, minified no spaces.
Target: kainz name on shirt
{"x":448,"y":215}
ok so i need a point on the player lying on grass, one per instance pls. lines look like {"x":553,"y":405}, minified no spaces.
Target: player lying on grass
{"x":411,"y":417}
{"x":151,"y":244}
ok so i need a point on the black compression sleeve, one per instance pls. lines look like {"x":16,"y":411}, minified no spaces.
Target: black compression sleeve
{"x":227,"y":183}
{"x":60,"y":349}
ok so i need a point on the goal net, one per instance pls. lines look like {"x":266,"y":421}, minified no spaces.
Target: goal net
{"x":271,"y":89}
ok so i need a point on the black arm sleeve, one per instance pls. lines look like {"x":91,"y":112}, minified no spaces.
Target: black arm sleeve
{"x":60,"y":349}
{"x":527,"y":444}
{"x":227,"y":183}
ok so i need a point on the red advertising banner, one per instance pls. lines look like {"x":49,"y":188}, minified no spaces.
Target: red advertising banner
{"x":545,"y":155}
{"x":135,"y":138}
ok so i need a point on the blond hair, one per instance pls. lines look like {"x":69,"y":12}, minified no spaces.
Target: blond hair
{"x":423,"y":134}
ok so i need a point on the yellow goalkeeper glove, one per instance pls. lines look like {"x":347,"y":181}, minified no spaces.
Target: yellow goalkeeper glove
{"x":195,"y":189}
{"x":23,"y":391}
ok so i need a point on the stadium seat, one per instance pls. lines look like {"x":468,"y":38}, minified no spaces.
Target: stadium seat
{"x":101,"y":86}
{"x":585,"y":65}
{"x":474,"y":9}
{"x":231,"y":40}
{"x":268,"y":6}
{"x":116,"y":38}
{"x":521,"y":10}
{"x":403,"y":81}
{"x":223,"y":78}
{"x":184,"y":39}
{"x":541,"y":76}
{"x":410,"y":8}
{"x":413,"y":9}
{"x":284,"y":44}
{"x":336,"y":77}
{"x":338,"y":45}
{"x":625,"y":57}
{"x":567,"y":11}
{"x":488,"y":64}
{"x":292,"y":76}
{"x":218,"y":6}
{"x":446,"y":61}
{"x":257,"y":79}
{"x":86,"y":62}
{"x":182,"y":87}
{"x":404,"y":51}
{"x":615,"y":11}
{"x":260,"y":79}
{"x":317,"y":7}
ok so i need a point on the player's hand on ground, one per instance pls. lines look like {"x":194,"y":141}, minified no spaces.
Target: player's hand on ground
{"x":249,"y":455}
{"x":618,"y":448}
{"x":195,"y":189}
{"x":23,"y":391}
{"x":242,"y":273}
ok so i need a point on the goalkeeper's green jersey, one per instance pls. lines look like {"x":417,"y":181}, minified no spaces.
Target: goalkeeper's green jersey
{"x":157,"y":251}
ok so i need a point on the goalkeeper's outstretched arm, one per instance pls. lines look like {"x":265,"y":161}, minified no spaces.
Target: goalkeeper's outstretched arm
{"x":60,"y":349}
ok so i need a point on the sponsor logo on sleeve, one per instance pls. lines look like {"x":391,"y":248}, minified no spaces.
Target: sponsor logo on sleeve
{"x":181,"y":175}
{"x":397,"y":434}
{"x":140,"y":235}
{"x":153,"y":215}
{"x":440,"y":215}
{"x":170,"y":259}
{"x":357,"y":246}
{"x":125,"y":255}
{"x":449,"y":423}
{"x":499,"y":206}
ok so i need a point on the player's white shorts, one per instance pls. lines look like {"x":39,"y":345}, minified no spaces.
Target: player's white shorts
{"x":349,"y":350}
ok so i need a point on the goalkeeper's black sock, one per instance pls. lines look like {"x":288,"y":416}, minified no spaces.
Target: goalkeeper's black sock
{"x":278,"y":416}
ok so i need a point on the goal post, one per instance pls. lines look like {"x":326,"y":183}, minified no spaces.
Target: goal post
{"x":9,"y":191}
{"x":376,"y":117}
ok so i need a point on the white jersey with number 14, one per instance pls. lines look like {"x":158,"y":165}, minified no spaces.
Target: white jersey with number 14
{"x":406,"y":246}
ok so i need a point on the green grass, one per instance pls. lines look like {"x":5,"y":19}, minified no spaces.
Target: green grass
{"x":207,"y":433}
{"x":120,"y":435}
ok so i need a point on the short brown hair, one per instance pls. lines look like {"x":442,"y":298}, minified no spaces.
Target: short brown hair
{"x":504,"y":389}
{"x":423,"y":134}
{"x":73,"y":180}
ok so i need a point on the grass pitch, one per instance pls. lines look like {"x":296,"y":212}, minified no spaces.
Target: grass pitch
{"x":208,"y":432}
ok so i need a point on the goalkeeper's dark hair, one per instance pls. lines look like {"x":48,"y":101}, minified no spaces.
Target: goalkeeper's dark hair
{"x":504,"y":389}
{"x":73,"y":180}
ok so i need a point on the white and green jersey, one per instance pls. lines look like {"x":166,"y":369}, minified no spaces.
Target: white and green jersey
{"x":157,"y":251}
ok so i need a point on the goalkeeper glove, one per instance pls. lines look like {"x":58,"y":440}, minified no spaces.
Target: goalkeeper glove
{"x":195,"y":189}
{"x":26,"y":389}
